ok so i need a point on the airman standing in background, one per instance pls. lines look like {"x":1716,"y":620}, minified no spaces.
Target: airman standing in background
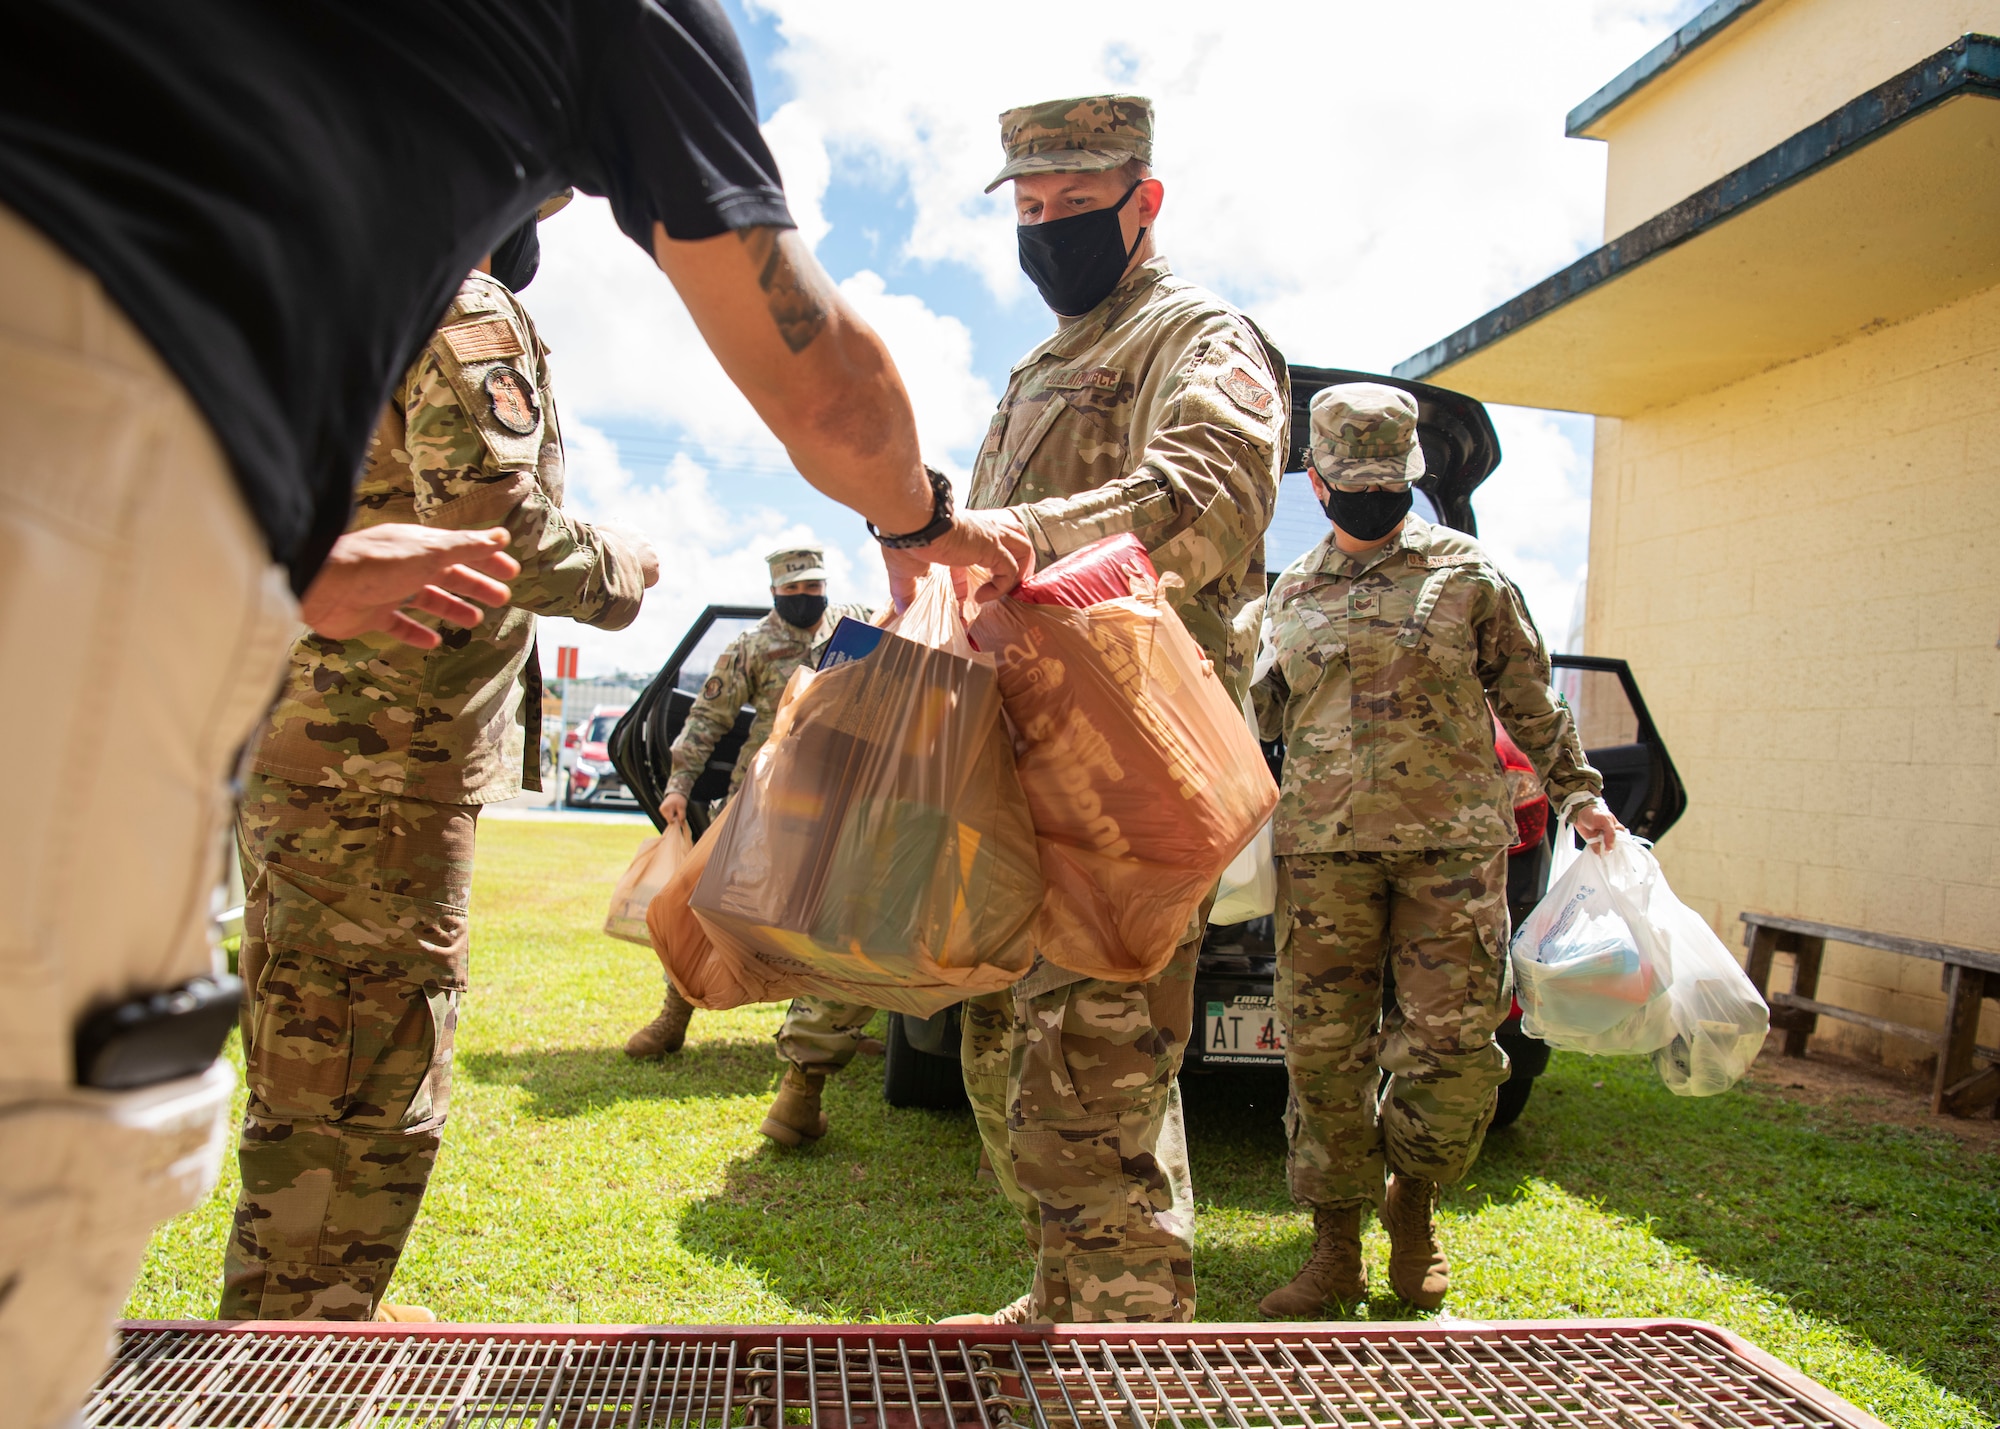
{"x":818,"y":1036}
{"x":357,"y":820}
{"x":1159,"y":409}
{"x":1397,"y":642}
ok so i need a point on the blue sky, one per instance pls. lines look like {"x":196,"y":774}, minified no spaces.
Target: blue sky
{"x":1301,"y":180}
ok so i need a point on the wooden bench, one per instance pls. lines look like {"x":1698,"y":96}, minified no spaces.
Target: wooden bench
{"x":1970,"y":977}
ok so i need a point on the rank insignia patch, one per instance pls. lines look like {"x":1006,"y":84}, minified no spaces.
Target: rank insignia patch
{"x":1247,"y":392}
{"x":713,"y":689}
{"x":513,"y":399}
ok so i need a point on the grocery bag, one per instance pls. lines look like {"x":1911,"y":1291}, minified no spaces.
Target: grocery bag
{"x":1719,"y":1020}
{"x":880,"y":850}
{"x":1249,"y":886}
{"x":1590,"y":974}
{"x":705,"y":977}
{"x":657,"y":861}
{"x":1142,"y":778}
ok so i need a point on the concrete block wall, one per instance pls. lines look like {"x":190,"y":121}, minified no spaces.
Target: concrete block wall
{"x":1804,"y":570}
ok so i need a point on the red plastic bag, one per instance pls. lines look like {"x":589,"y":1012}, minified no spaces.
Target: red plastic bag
{"x":1142,"y":777}
{"x":1101,"y":571}
{"x":880,"y":850}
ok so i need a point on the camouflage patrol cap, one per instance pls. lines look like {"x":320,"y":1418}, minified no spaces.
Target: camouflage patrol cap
{"x":1364,"y":437}
{"x":1076,"y":136}
{"x":796,"y":563}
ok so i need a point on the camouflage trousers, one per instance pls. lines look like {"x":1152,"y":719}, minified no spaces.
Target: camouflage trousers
{"x":1083,"y":1128}
{"x":1436,"y":921}
{"x":354,"y":957}
{"x":818,"y":1035}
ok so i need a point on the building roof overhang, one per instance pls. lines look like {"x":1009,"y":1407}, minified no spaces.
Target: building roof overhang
{"x":1669,"y":52}
{"x":1886,"y":208}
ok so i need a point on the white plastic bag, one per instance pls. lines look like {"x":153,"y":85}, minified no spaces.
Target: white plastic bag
{"x":1589,"y":971}
{"x":1719,"y":1021}
{"x":1249,"y":886}
{"x":657,"y":861}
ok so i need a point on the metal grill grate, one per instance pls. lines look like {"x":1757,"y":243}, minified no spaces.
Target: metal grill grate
{"x":1575,"y":1374}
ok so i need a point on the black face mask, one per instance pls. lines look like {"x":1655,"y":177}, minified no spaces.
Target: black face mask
{"x":1367,"y":515}
{"x":800,"y":611}
{"x":1076,"y":262}
{"x":518,"y":256}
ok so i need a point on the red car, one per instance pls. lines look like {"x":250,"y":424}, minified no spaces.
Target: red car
{"x":589,"y":780}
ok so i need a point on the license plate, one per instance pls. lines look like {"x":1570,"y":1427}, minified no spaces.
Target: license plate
{"x":1243,"y":1029}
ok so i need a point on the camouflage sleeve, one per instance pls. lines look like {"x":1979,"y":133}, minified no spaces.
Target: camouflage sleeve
{"x":568,"y":567}
{"x":711,"y":717}
{"x":1205,"y":456}
{"x":1269,"y":697}
{"x":1514,"y":668}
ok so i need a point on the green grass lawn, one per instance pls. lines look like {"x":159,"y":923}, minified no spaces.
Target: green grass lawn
{"x":576,"y":1185}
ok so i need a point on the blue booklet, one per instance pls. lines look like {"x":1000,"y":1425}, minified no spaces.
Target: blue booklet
{"x":851,"y":640}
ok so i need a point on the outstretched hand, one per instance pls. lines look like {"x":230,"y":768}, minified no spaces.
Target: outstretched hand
{"x":374,"y":579}
{"x":994,"y":540}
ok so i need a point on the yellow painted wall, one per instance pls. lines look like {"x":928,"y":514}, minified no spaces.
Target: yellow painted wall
{"x":1784,"y":65}
{"x":1804,"y":570}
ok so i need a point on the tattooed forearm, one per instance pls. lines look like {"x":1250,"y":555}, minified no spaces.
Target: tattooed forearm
{"x":795,"y":307}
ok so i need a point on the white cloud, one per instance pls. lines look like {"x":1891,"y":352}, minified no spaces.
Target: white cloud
{"x":1534,"y":515}
{"x":709,"y":555}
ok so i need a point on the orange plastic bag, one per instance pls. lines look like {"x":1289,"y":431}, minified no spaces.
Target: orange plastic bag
{"x":1142,"y":777}
{"x":880,"y":850}
{"x":704,"y":976}
{"x":657,"y":861}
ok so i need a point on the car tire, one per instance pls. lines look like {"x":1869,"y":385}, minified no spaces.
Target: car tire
{"x":911,"y":1078}
{"x":1528,"y":1058}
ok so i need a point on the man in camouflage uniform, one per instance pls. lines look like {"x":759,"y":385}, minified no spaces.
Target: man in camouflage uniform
{"x":818,"y":1036}
{"x":1159,"y":409}
{"x":1395,"y":643}
{"x":357,"y":820}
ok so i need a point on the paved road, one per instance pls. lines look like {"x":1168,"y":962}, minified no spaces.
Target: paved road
{"x":544,"y":808}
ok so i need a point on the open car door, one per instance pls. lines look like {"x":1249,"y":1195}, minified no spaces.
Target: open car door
{"x":1640,"y":782}
{"x":640,"y":743}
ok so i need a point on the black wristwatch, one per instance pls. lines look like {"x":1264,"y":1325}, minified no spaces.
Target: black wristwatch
{"x":940,"y":522}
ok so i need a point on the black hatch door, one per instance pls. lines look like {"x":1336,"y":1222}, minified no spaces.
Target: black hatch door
{"x":1619,"y":738}
{"x":1461,"y":449}
{"x":639,"y":745}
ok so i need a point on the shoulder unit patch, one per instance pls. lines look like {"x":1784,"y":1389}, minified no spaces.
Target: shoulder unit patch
{"x":513,"y":400}
{"x":1247,"y":391}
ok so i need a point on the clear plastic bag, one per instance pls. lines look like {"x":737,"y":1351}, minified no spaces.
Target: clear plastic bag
{"x":1589,"y":972}
{"x":1143,"y":780}
{"x":1719,"y":1021}
{"x":880,"y":850}
{"x":657,"y":861}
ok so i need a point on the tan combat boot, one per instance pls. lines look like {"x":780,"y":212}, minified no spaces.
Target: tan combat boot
{"x":795,"y":1116}
{"x":1333,"y":1273}
{"x":664,"y":1033}
{"x":1418,"y":1270}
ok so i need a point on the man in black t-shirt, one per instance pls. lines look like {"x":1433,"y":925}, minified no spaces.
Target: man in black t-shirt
{"x":226,"y":227}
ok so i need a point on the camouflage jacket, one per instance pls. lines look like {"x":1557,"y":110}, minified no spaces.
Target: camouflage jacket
{"x":1388,"y":673}
{"x":1161,"y":412}
{"x":470,"y":439}
{"x":751,"y":670}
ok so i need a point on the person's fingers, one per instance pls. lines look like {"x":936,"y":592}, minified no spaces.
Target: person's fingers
{"x":463,"y":580}
{"x":447,"y":607}
{"x":400,"y":627}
